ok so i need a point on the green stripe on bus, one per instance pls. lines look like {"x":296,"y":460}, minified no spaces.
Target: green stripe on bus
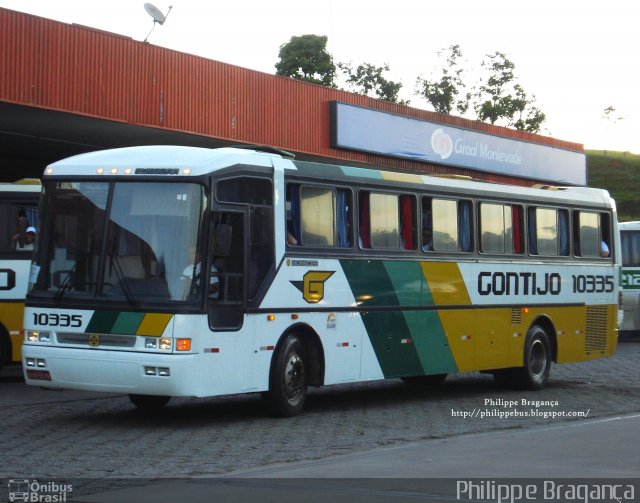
{"x":408,"y":283}
{"x":361,"y":172}
{"x":127,"y":323}
{"x":391,"y":341}
{"x":430,"y":342}
{"x":370,"y":283}
{"x":387,"y":331}
{"x":425,"y":329}
{"x":323,"y":170}
{"x":406,"y":342}
{"x":102,"y":322}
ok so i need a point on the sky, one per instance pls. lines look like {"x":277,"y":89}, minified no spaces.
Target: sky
{"x":576,"y":58}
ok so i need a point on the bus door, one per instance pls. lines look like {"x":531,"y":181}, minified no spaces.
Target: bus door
{"x":226,"y":285}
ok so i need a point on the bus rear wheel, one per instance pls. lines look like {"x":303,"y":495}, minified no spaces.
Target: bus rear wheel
{"x":288,"y":379}
{"x":537,"y":360}
{"x":149,"y":402}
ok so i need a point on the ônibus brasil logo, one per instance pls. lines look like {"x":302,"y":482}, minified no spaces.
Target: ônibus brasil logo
{"x":441,"y":143}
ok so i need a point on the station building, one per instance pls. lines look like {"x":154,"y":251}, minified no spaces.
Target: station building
{"x":67,"y":89}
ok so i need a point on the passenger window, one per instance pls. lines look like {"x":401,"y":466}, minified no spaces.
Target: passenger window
{"x":545,"y":239}
{"x":445,"y":225}
{"x":384,"y":220}
{"x":245,"y":190}
{"x":316,"y":212}
{"x":592,"y":233}
{"x":501,"y":228}
{"x":21,"y":222}
{"x":319,"y":216}
{"x":496,"y":229}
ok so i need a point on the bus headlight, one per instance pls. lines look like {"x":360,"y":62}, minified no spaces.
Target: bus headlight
{"x":165,"y":343}
{"x":37,"y":336}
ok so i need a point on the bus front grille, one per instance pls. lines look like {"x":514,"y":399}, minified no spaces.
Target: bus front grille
{"x":102,"y":340}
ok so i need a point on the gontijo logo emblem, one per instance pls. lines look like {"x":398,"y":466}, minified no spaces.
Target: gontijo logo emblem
{"x":441,"y":143}
{"x":312,"y":285}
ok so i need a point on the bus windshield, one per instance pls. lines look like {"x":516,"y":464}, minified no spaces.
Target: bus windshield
{"x":120,"y":241}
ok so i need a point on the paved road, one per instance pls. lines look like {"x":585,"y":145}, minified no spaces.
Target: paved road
{"x":430,"y":470}
{"x":90,"y":436}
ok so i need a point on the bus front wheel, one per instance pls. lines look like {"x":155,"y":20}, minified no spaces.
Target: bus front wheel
{"x":288,"y":379}
{"x":537,"y":360}
{"x":149,"y":402}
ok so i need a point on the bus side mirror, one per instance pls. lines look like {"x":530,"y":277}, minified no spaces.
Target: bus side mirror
{"x":222,"y":240}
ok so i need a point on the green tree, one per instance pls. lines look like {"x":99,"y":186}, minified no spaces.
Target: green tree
{"x":369,"y":80}
{"x":443,"y":92}
{"x":306,"y":58}
{"x":500,"y":98}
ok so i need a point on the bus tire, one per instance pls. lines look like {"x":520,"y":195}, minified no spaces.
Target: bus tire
{"x":288,"y":379}
{"x":536,"y":362}
{"x":149,"y":402}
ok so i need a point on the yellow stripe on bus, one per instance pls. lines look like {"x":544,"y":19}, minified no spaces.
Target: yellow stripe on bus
{"x":447,"y":288}
{"x":154,"y":324}
{"x":445,"y":284}
{"x":401,"y":177}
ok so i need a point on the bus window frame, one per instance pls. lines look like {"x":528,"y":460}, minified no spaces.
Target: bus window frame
{"x":304,"y":248}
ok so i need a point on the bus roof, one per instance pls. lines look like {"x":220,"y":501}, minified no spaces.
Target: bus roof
{"x":586,"y":195}
{"x":172,"y":160}
{"x":29,"y":185}
{"x":152,"y":159}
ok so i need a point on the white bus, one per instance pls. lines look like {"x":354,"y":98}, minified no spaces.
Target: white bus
{"x":630,"y":275}
{"x":177,"y":271}
{"x":18,"y":214}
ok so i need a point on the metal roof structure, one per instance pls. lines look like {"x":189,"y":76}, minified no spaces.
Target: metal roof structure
{"x":68,"y":89}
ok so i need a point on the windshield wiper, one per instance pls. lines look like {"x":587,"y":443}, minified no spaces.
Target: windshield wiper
{"x":122,"y":281}
{"x":66,"y":284}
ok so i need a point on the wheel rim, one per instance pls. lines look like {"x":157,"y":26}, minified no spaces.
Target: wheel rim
{"x":294,"y":376}
{"x":537,"y":359}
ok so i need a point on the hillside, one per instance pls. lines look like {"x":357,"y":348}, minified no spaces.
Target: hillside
{"x":619,"y":173}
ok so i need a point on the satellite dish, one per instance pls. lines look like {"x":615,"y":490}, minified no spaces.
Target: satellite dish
{"x":157,"y":15}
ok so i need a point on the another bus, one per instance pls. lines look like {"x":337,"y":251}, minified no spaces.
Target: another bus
{"x":18,"y":214}
{"x":630,"y":275}
{"x":178,"y":271}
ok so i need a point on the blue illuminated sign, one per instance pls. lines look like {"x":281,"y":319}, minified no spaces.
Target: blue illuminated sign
{"x":367,"y":130}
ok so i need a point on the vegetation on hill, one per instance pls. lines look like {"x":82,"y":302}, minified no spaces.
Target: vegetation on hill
{"x":619,"y":173}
